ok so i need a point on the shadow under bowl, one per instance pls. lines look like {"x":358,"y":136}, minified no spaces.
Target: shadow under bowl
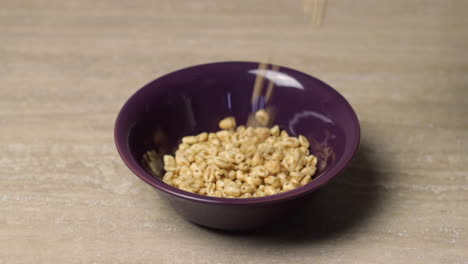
{"x":194,"y":99}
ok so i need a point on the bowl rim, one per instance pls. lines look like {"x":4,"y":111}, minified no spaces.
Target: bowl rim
{"x":144,"y":175}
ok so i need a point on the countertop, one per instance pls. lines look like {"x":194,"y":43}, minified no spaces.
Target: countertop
{"x":66,"y":68}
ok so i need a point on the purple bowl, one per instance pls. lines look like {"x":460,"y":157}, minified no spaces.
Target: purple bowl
{"x":194,"y":99}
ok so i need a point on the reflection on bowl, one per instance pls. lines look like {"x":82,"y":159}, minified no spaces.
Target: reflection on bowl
{"x":194,"y":99}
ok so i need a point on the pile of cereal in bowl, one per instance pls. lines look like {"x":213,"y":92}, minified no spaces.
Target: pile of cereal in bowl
{"x":238,"y":161}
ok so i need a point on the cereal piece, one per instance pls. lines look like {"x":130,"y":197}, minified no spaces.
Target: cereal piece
{"x":221,"y":162}
{"x":282,"y":177}
{"x":284,"y":134}
{"x":294,"y":181}
{"x":198,"y":184}
{"x":210,"y":188}
{"x":260,"y":171}
{"x":248,"y":150}
{"x":202,"y":137}
{"x":220,"y":185}
{"x":289,"y":162}
{"x":309,"y":171}
{"x":273,"y":181}
{"x":168,"y":176}
{"x":177,"y":182}
{"x":253,"y":180}
{"x":196,"y":171}
{"x":261,"y":187}
{"x":278,"y":155}
{"x":262,"y":132}
{"x":290,"y":142}
{"x":220,"y":174}
{"x":199,"y":159}
{"x":296,"y":175}
{"x":203,"y":165}
{"x":232,"y":175}
{"x":306,"y":180}
{"x":249,"y":132}
{"x":289,"y":186}
{"x":247,"y":188}
{"x":185,"y":187}
{"x":273,"y":166}
{"x":215,"y":142}
{"x":232,"y":190}
{"x":275,"y":131}
{"x":240,"y":175}
{"x":181,"y":161}
{"x":259,"y":193}
{"x":227,"y":156}
{"x":240,"y":129}
{"x":223,"y":135}
{"x":190,"y":140}
{"x":239,"y":157}
{"x":228,"y":181}
{"x":169,"y":163}
{"x":313,"y":161}
{"x":262,"y":117}
{"x":227,"y":123}
{"x":303,"y":141}
{"x":217,"y":194}
{"x":243,"y":166}
{"x":257,"y":159}
{"x":183,"y":146}
{"x":185,"y":172}
{"x":190,"y":155}
{"x":209,"y":175}
{"x":305,"y":151}
{"x":270,"y":190}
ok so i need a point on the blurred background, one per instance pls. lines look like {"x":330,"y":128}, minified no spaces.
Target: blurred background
{"x":66,"y":68}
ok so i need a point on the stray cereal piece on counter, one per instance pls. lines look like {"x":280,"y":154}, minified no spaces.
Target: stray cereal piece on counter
{"x":238,"y":162}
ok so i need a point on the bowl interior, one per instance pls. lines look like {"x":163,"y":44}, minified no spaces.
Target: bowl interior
{"x":195,"y":99}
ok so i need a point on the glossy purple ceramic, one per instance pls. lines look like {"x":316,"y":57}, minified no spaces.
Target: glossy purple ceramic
{"x":195,"y":99}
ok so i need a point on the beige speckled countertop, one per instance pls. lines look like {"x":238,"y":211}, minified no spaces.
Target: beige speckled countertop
{"x":66,"y":67}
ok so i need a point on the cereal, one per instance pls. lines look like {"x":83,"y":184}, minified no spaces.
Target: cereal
{"x":237,"y":162}
{"x":227,"y":123}
{"x":262,"y":117}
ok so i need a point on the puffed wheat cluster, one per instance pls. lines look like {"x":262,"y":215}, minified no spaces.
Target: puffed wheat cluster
{"x":240,"y":162}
